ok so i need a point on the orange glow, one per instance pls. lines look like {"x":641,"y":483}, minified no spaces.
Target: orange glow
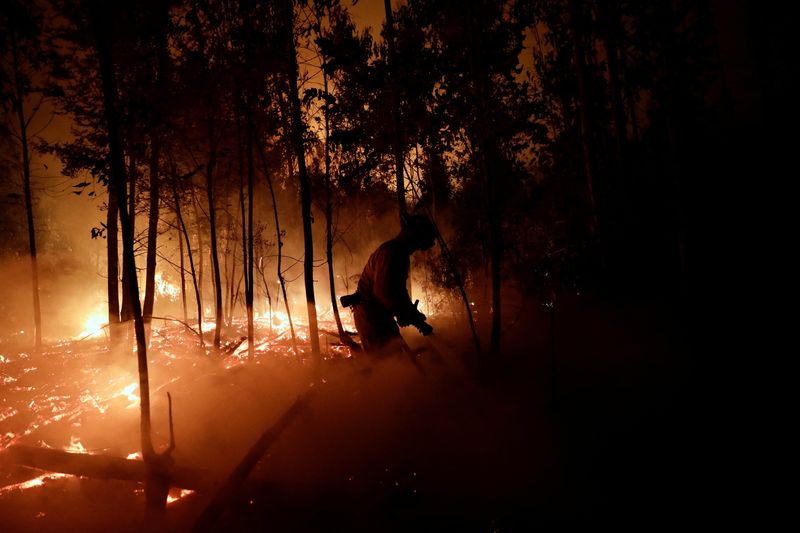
{"x":165,"y":288}
{"x":173,"y":497}
{"x":75,"y":445}
{"x":32,"y":483}
{"x":93,"y":325}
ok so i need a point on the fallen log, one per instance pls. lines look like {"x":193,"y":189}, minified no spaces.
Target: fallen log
{"x":226,"y":492}
{"x":104,"y":467}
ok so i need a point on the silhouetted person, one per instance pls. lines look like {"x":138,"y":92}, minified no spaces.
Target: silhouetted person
{"x":382,"y":303}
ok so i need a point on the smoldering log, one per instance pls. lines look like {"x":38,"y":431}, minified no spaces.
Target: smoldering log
{"x":103,"y":467}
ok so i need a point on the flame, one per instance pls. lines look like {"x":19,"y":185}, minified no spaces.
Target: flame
{"x":180,"y":495}
{"x":31,"y":483}
{"x":165,"y":288}
{"x":93,"y":326}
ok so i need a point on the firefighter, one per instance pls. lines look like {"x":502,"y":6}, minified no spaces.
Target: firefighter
{"x":382,"y":303}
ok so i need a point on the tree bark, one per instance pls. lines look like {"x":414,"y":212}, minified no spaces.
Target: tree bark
{"x":100,"y":27}
{"x":248,"y":266}
{"x":162,"y":19}
{"x":183,"y":272}
{"x":343,"y":336}
{"x":112,"y":257}
{"x":197,"y":295}
{"x":126,"y":314}
{"x":279,"y":245}
{"x":305,"y":185}
{"x":212,"y":157}
{"x":19,"y":97}
{"x":152,"y":231}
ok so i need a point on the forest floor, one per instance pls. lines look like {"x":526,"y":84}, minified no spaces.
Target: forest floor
{"x":618,"y":434}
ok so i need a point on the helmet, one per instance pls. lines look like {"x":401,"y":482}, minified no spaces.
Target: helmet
{"x":420,"y":229}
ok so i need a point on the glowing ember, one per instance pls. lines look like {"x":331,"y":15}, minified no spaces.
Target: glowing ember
{"x":31,"y":483}
{"x":75,"y":445}
{"x":135,"y":456}
{"x":172,"y":497}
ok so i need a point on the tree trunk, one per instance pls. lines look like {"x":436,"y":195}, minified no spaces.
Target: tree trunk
{"x":279,"y":240}
{"x":397,"y":138}
{"x":126,"y":314}
{"x":183,"y":272}
{"x":195,"y":280}
{"x":248,"y":265}
{"x":161,"y":17}
{"x":26,"y":185}
{"x":344,"y":338}
{"x":212,"y":157}
{"x":200,"y":253}
{"x":112,"y":257}
{"x":583,"y":111}
{"x":305,"y":185}
{"x":100,"y":26}
{"x":152,"y":231}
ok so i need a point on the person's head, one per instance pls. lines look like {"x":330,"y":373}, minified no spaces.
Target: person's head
{"x":418,"y":231}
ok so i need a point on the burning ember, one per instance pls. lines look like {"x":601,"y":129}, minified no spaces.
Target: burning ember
{"x":66,"y":397}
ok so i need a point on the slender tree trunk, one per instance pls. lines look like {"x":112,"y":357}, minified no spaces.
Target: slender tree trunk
{"x":279,"y":244}
{"x":195,"y":280}
{"x":305,"y":186}
{"x":162,"y":19}
{"x":153,"y":490}
{"x":212,"y":157}
{"x":152,"y":231}
{"x":343,"y":336}
{"x":112,"y":257}
{"x":583,"y":111}
{"x":260,"y":269}
{"x":127,"y":294}
{"x":248,"y":265}
{"x":26,"y":186}
{"x":200,"y":253}
{"x":183,"y":272}
{"x":397,"y":138}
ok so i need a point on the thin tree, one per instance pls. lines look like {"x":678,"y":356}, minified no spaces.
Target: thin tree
{"x":344,"y":337}
{"x":212,"y":220}
{"x":154,"y":494}
{"x":296,"y":132}
{"x":182,"y":228}
{"x":279,"y":244}
{"x":19,"y":95}
{"x":161,"y":18}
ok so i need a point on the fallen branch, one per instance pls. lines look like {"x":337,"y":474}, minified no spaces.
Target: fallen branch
{"x":230,"y":487}
{"x":102,"y":467}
